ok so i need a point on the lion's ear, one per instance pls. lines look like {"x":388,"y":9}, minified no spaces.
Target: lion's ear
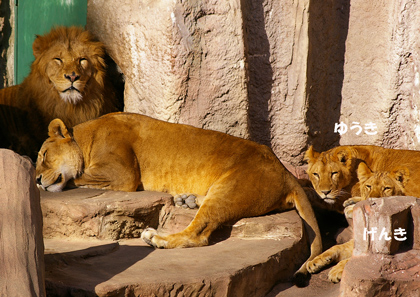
{"x":57,"y":129}
{"x":38,"y":47}
{"x":363,"y":171}
{"x":402,"y":175}
{"x":310,"y":154}
{"x":344,"y":156}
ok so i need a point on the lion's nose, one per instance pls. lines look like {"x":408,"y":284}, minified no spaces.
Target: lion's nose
{"x":326,"y":192}
{"x":39,"y":180}
{"x":72,"y":77}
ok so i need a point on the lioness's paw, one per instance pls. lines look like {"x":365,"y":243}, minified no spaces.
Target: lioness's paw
{"x":317,"y":263}
{"x":348,"y":211}
{"x":147,"y":235}
{"x":186,"y":201}
{"x":352,"y":201}
{"x":335,"y":274}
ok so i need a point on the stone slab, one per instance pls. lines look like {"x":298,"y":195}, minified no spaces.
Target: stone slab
{"x":88,"y":213}
{"x":246,"y":257}
{"x":377,"y":275}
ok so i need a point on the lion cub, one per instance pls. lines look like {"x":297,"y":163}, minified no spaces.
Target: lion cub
{"x":371,"y":184}
{"x":121,"y":151}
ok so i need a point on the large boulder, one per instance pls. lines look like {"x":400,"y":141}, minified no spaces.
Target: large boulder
{"x":386,"y":256}
{"x":22,"y":246}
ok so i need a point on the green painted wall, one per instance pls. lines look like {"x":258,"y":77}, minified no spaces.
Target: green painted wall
{"x":37,"y":17}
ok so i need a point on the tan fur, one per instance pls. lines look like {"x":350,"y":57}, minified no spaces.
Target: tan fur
{"x":63,"y":55}
{"x":392,"y":175}
{"x":239,"y":178}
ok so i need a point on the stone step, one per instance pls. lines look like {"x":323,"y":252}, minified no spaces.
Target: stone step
{"x":83,"y":257}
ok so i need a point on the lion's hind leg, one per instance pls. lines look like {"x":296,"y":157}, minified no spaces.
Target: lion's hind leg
{"x":338,"y":253}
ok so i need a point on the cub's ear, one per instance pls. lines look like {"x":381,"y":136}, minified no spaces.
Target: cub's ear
{"x":363,"y":172}
{"x":57,"y":129}
{"x":401,"y":174}
{"x":310,"y":154}
{"x":344,"y":156}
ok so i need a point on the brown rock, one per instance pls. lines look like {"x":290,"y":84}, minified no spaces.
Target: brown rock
{"x":232,"y":66}
{"x":415,"y":214}
{"x":22,"y":247}
{"x":86,"y":213}
{"x":382,"y":216}
{"x":227,"y":267}
{"x":376,"y":269}
{"x":378,"y":275}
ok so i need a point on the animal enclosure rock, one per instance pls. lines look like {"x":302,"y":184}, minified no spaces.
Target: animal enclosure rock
{"x":377,"y":221}
{"x":76,"y":263}
{"x":383,"y":266}
{"x":233,"y":66}
{"x":86,"y":213}
{"x":22,"y":246}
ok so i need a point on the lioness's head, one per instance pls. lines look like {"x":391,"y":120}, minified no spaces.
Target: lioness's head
{"x":381,"y":183}
{"x":59,"y":160}
{"x":70,"y":58}
{"x":330,"y":172}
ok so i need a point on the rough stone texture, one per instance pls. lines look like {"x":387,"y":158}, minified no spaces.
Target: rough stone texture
{"x":380,"y":267}
{"x":244,"y":259}
{"x":380,"y":275}
{"x":183,"y":60}
{"x":381,"y":73}
{"x":21,"y":243}
{"x":233,"y":66}
{"x":87,"y":213}
{"x":385,"y":215}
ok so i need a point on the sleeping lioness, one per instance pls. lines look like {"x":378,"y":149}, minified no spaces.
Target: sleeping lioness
{"x":121,"y":151}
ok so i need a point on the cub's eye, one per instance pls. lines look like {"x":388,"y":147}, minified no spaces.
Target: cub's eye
{"x":58,"y":60}
{"x":387,"y":188}
{"x":368,"y":187}
{"x":334,"y":173}
{"x":44,"y":154}
{"x":315,"y":174}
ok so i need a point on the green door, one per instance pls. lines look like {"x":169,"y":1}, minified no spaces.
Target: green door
{"x":37,"y":17}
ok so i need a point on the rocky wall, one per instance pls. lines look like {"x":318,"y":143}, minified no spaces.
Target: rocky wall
{"x":234,"y":66}
{"x":381,"y":78}
{"x":285,"y":74}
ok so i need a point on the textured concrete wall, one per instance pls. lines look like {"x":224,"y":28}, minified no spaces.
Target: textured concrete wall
{"x":282,"y":73}
{"x":183,"y":60}
{"x":381,"y":73}
{"x":233,"y":66}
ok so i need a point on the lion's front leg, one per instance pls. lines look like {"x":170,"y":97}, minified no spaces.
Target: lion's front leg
{"x":349,"y":205}
{"x":105,"y":178}
{"x":335,"y":254}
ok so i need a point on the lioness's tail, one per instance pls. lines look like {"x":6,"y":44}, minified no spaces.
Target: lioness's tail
{"x":306,"y":212}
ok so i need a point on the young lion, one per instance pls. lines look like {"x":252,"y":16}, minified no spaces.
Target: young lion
{"x":68,"y":79}
{"x":372,"y":184}
{"x":346,"y":171}
{"x":334,"y":173}
{"x":122,"y":151}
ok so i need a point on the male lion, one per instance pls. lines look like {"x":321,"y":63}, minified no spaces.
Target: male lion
{"x":235,"y":177}
{"x":68,"y":80}
{"x":359,"y":172}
